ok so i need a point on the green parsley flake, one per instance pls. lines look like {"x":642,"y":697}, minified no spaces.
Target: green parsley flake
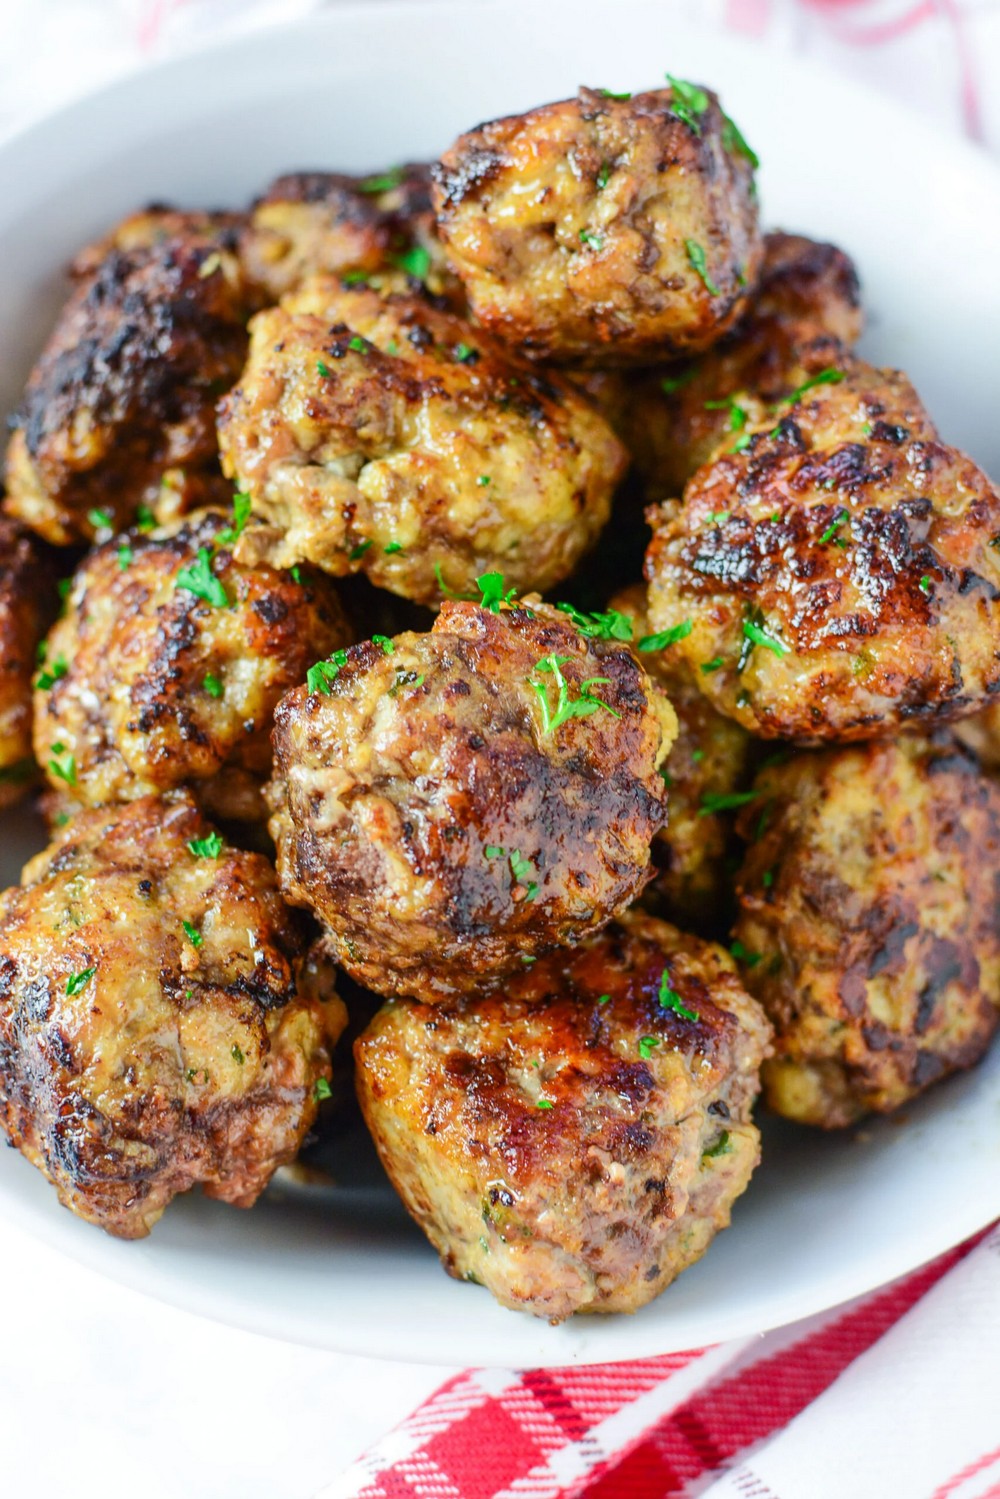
{"x":209,"y":847}
{"x":384,"y":642}
{"x":828,"y":376}
{"x":324,"y":370}
{"x":834,"y":527}
{"x":608,"y":624}
{"x":354,"y":278}
{"x":666,"y":638}
{"x":415,"y":262}
{"x":296,"y":573}
{"x":738,"y":415}
{"x":406,"y":679}
{"x":125,"y":556}
{"x":603,"y":176}
{"x":713,"y":665}
{"x":689,"y":101}
{"x":724,"y":801}
{"x":491,"y":587}
{"x":767,"y":878}
{"x":604,"y":999}
{"x":671,"y":1000}
{"x":200,"y":580}
{"x":589,"y":238}
{"x":192,"y":933}
{"x":450,"y":593}
{"x":392,"y":547}
{"x":755,"y":633}
{"x":696,"y":257}
{"x":321,"y":1090}
{"x":144,"y":518}
{"x":78,"y":981}
{"x":483,"y":480}
{"x":722,"y":1146}
{"x":751,"y":959}
{"x":101,"y":520}
{"x":493,"y":851}
{"x":241,"y":514}
{"x":211,"y":684}
{"x":382,"y":182}
{"x":544,"y":1103}
{"x":566,"y":707}
{"x":925,"y":584}
{"x":358,"y":344}
{"x":319,"y":676}
{"x":359,"y":551}
{"x":647,"y":1045}
{"x":521,"y":869}
{"x":63,"y":765}
{"x":671,"y":383}
{"x":607,"y":93}
{"x":52,"y":673}
{"x":237,"y":1055}
{"x":464,"y":353}
{"x":718,"y":517}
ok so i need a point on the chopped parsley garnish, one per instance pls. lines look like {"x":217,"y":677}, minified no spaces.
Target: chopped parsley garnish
{"x":192,"y":933}
{"x":359,"y":550}
{"x":742,"y":442}
{"x":767,"y":878}
{"x":324,"y":370}
{"x":671,"y":383}
{"x":125,"y":556}
{"x":608,"y":624}
{"x":738,"y":415}
{"x":200,"y":580}
{"x":51,"y":673}
{"x":211,"y":684}
{"x":697,"y":755}
{"x":450,"y":593}
{"x":392,"y":547}
{"x":603,"y":176}
{"x":384,"y":642}
{"x":604,"y":999}
{"x":828,"y":376}
{"x":647,"y":1045}
{"x":718,"y":517}
{"x":607,"y":93}
{"x":594,"y":241}
{"x":483,"y":480}
{"x":321,"y":1090}
{"x":354,"y":278}
{"x":689,"y":101}
{"x":566,"y":707}
{"x":834,"y":527}
{"x":237,"y":1055}
{"x":724,"y":801}
{"x":492,"y":851}
{"x":415,"y":262}
{"x":319,"y":676}
{"x":722,"y":1146}
{"x":491,"y":588}
{"x":296,"y":573}
{"x":382,"y":182}
{"x":665,"y":638}
{"x":464,"y":353}
{"x":209,"y":847}
{"x":241,"y":514}
{"x":544,"y":1103}
{"x":358,"y":344}
{"x":63,"y":765}
{"x":406,"y":679}
{"x":733,"y":139}
{"x":925,"y":584}
{"x":101,"y":520}
{"x":713,"y":665}
{"x":751,"y":959}
{"x":78,"y":981}
{"x":521,"y":869}
{"x":754,"y":633}
{"x":144,"y":518}
{"x":671,"y":1000}
{"x":696,"y":258}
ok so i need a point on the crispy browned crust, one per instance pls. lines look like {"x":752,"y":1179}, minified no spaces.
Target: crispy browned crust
{"x":870,"y":913}
{"x":28,"y":602}
{"x":707,"y":759}
{"x":382,"y":435}
{"x":131,"y":654}
{"x":125,"y":389}
{"x":169,"y":1064}
{"x":598,"y":1202}
{"x":861,"y":544}
{"x":570,"y":227}
{"x":407,"y":798}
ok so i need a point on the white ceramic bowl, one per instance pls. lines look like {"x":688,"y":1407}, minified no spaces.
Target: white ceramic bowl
{"x":360,"y":87}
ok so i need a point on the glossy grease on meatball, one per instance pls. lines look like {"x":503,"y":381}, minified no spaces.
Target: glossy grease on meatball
{"x":575,"y":1141}
{"x":604,"y":230}
{"x":167,"y":665}
{"x":451,"y":805}
{"x":870,"y":917}
{"x":383,"y":436}
{"x":154,"y":1029}
{"x":838,"y":566}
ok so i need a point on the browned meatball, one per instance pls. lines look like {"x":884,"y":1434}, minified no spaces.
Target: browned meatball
{"x":359,"y":227}
{"x":27,"y":605}
{"x":838,"y":566}
{"x":158,"y":225}
{"x":706,"y":766}
{"x":673,"y":418}
{"x":382,"y":435}
{"x":604,"y":229}
{"x":575,"y":1142}
{"x":453,"y":804}
{"x":981,"y":734}
{"x":124,"y":393}
{"x":870,"y":919}
{"x":168,"y":663}
{"x":155,"y":1027}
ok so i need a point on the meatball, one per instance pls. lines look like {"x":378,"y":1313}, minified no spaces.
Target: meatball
{"x":575,"y":1142}
{"x":870,"y":923}
{"x":673,"y":418}
{"x":124,"y":393}
{"x":382,"y":435}
{"x":981,"y":734}
{"x":703,"y":772}
{"x":155,"y":1027}
{"x":27,"y":605}
{"x":168,"y":663}
{"x":604,"y":230}
{"x":159,"y":224}
{"x":452,"y":804}
{"x":837,"y":564}
{"x":362,"y":227}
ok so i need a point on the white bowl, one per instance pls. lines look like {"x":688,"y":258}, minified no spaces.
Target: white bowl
{"x":360,"y":87}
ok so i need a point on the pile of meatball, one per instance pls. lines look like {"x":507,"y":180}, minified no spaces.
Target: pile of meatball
{"x":364,"y":661}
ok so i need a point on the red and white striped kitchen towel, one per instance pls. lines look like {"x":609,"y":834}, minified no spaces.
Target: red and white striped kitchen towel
{"x":894,"y":1396}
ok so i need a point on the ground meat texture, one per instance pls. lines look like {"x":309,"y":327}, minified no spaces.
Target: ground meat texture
{"x":156,"y":1030}
{"x":705,"y":769}
{"x":601,"y":230}
{"x":27,"y":605}
{"x":674,"y":417}
{"x":441,"y":831}
{"x":383,"y":436}
{"x":870,"y":919}
{"x":572,"y":1143}
{"x":837,"y":565}
{"x":125,"y":390}
{"x":167,"y":665}
{"x":309,"y":223}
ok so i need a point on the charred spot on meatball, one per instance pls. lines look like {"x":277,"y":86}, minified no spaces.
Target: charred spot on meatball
{"x":451,"y":805}
{"x":576,"y":1141}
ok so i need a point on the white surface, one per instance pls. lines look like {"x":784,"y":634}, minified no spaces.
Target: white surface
{"x":824,"y":1218}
